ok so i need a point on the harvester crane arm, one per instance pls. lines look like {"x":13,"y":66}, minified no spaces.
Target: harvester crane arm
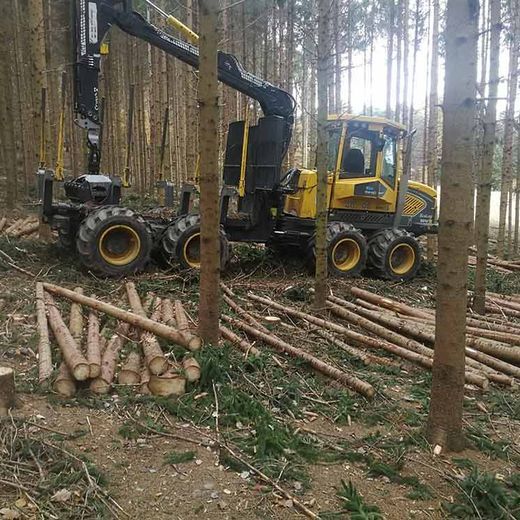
{"x":93,"y":20}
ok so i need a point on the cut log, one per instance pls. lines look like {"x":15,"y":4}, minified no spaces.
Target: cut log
{"x":74,"y":359}
{"x":184,"y":326}
{"x":154,"y":357}
{"x":64,"y":384}
{"x":17,"y":224}
{"x":246,"y":316}
{"x":388,"y":303}
{"x":168,"y":314}
{"x":7,"y":391}
{"x":351,"y":351}
{"x":145,"y":379}
{"x":31,"y":227}
{"x":44,"y":344}
{"x":501,"y":310}
{"x":226,"y":290}
{"x":191,"y":369}
{"x":236,"y":340}
{"x":167,"y":384}
{"x":3,"y":222}
{"x":159,"y":329}
{"x":93,"y":345}
{"x":361,"y":339}
{"x":76,"y":319}
{"x":102,"y":384}
{"x":134,"y":300}
{"x":130,"y":373}
{"x":345,"y":379}
{"x":475,"y":360}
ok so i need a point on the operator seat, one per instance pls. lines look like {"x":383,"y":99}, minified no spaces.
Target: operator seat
{"x":353,"y":164}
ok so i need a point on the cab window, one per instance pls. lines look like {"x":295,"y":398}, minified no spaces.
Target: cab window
{"x":388,"y":172}
{"x":357,"y":157}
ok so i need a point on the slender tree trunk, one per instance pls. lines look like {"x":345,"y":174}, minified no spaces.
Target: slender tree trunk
{"x":406,"y":58}
{"x":488,"y":152}
{"x":447,"y":395}
{"x":433,"y":123}
{"x":324,"y":48}
{"x":209,"y":177}
{"x":414,"y":65}
{"x":398,"y":62}
{"x":389,"y":57}
{"x":507,"y":151}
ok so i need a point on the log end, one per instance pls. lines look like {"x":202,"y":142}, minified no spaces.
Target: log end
{"x":81,"y":371}
{"x":158,"y":365}
{"x":65,"y":387}
{"x":167,"y":385}
{"x":94,"y":370}
{"x":194,"y":343}
{"x":129,"y":377}
{"x":99,"y":386}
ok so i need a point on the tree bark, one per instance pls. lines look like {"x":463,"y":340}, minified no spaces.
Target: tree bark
{"x":44,"y":345}
{"x":209,"y":302}
{"x":324,"y":49}
{"x":486,"y":169}
{"x":507,"y":150}
{"x":455,"y":222}
{"x":7,"y":391}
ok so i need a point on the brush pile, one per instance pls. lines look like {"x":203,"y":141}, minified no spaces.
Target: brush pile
{"x":90,"y":355}
{"x":39,"y":479}
{"x":369,"y":323}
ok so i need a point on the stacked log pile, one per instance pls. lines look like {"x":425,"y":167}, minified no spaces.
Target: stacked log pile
{"x":21,"y":227}
{"x":372,"y":323}
{"x":90,"y":360}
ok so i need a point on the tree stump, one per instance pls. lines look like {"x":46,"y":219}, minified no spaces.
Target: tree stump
{"x":7,"y":392}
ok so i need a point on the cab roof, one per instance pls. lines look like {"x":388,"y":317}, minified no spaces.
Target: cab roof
{"x":368,"y":120}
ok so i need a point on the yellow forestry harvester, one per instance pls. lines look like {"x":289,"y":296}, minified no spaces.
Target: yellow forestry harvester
{"x":375,"y":213}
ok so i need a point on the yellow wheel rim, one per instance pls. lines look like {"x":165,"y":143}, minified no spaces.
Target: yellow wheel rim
{"x":191,"y":251}
{"x":346,"y":254}
{"x":119,"y":245}
{"x":402,"y":258}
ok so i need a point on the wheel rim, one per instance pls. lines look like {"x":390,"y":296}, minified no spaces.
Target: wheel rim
{"x":191,"y":251}
{"x":119,"y":245}
{"x":402,"y":258}
{"x":346,"y":254}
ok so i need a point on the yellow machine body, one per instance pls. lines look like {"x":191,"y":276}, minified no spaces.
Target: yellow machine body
{"x":376,"y":187}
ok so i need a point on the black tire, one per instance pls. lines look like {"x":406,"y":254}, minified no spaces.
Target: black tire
{"x":181,"y":243}
{"x":114,"y":241}
{"x":346,"y":250}
{"x":394,"y":254}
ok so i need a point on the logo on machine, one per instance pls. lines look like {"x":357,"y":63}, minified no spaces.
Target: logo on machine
{"x":92,"y":23}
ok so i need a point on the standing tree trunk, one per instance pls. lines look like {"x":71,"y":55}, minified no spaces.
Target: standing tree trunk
{"x":320,"y":284}
{"x":507,"y":153}
{"x":455,"y":221}
{"x":414,"y":64}
{"x":389,"y":58}
{"x":433,"y":125}
{"x":209,"y":178}
{"x":486,"y":167}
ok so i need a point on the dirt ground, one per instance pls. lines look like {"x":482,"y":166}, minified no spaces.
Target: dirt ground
{"x":369,"y":436}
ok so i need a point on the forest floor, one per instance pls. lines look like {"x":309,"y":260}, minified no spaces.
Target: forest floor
{"x":157,"y":457}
